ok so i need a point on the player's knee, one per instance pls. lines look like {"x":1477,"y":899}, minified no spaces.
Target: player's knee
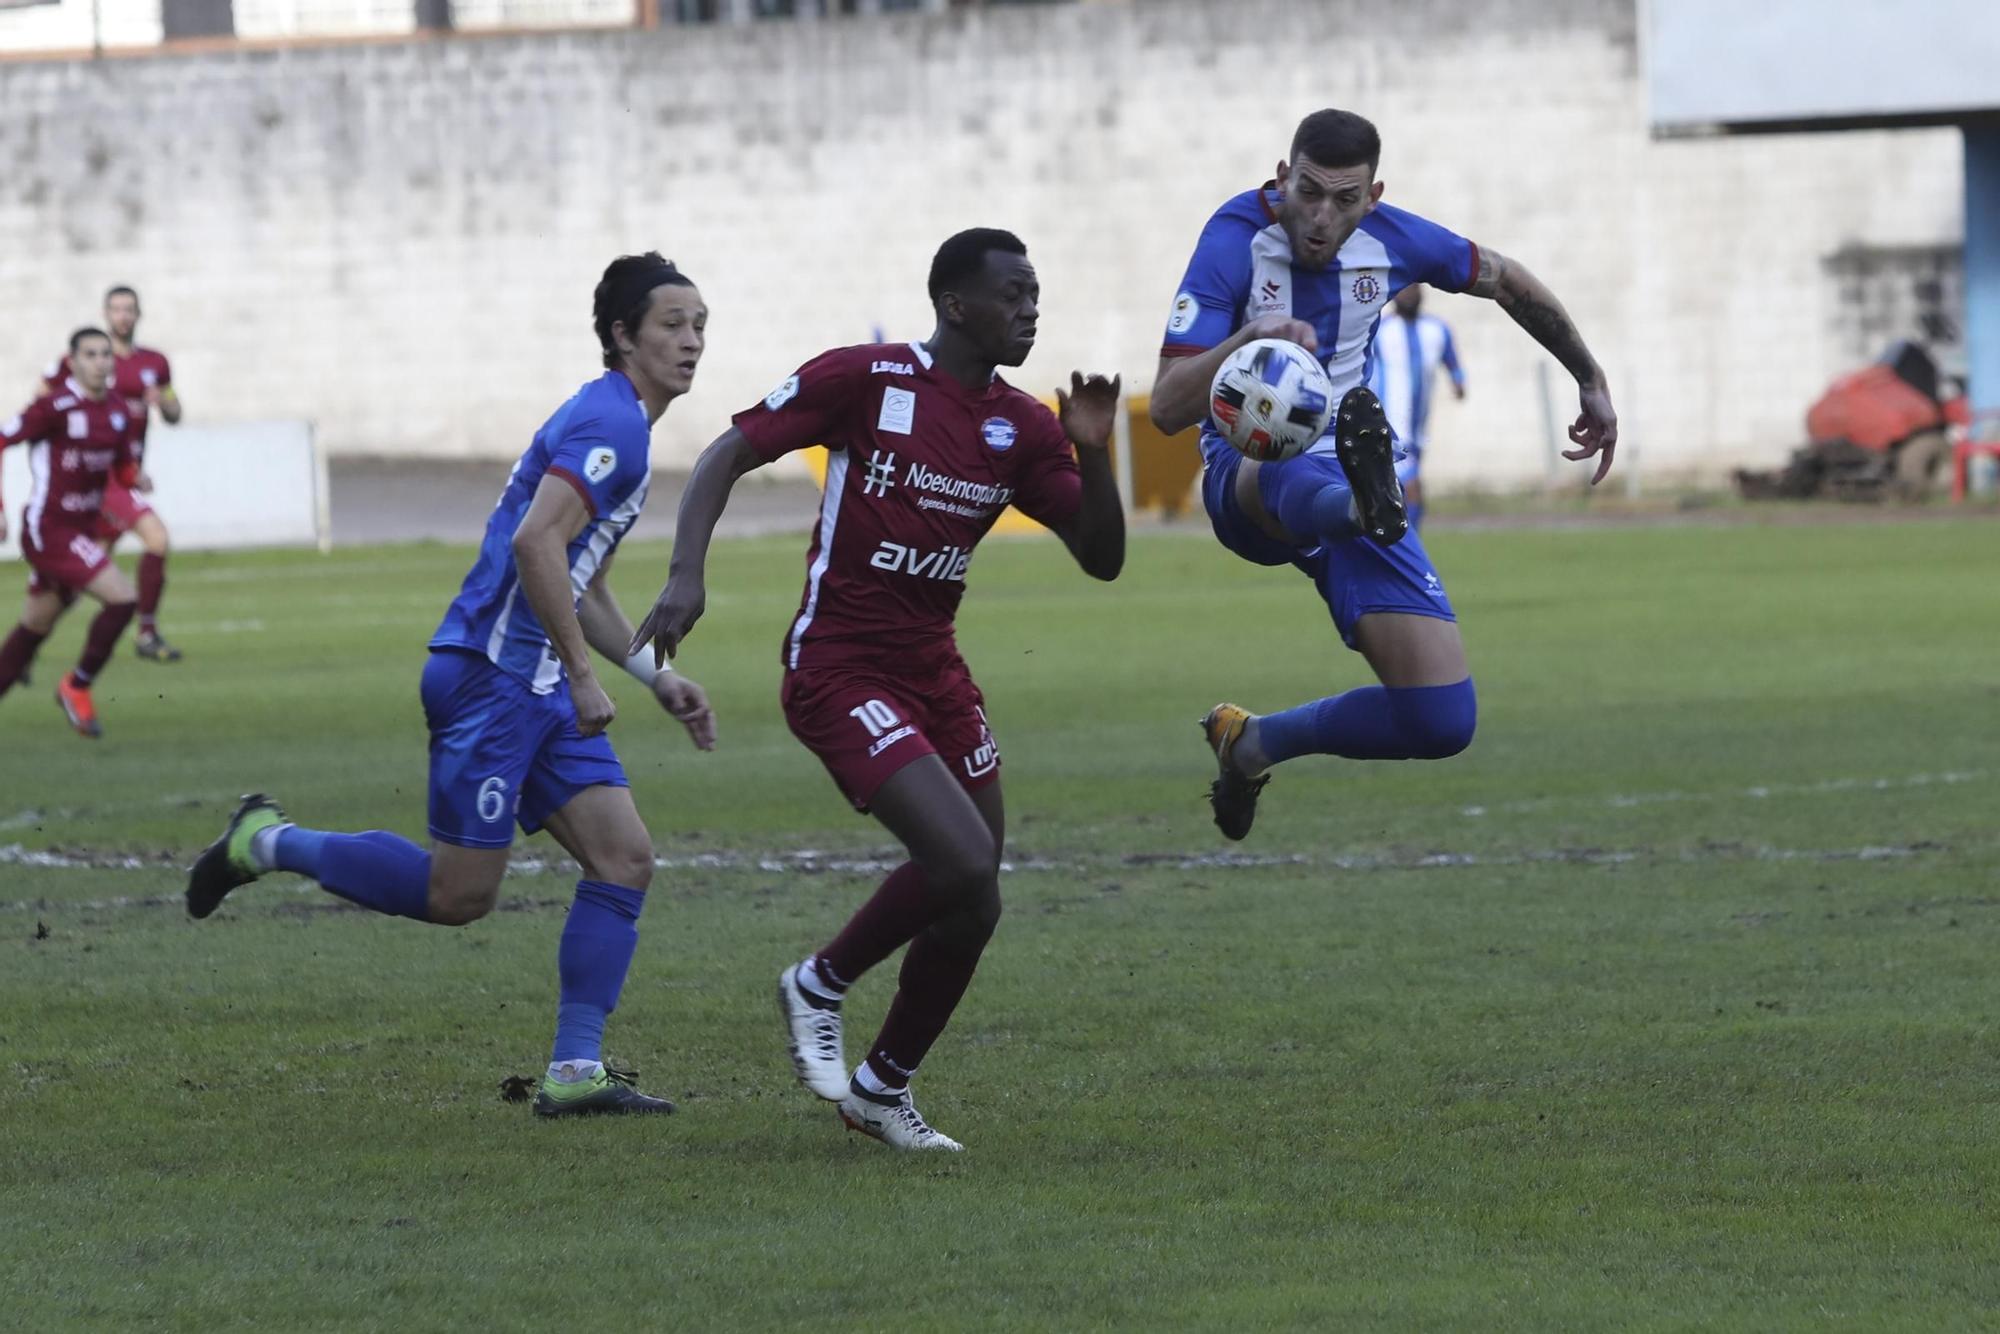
{"x":630,"y":864}
{"x":460,"y":905}
{"x":966,"y":874}
{"x":457,"y":900}
{"x":1438,"y":721}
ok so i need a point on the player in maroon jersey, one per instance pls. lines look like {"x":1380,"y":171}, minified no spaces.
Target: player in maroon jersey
{"x":927,"y":444}
{"x":79,"y":439}
{"x":142,"y":377}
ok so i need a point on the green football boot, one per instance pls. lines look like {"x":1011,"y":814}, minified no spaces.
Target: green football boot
{"x":608,"y":1091}
{"x":227,"y":863}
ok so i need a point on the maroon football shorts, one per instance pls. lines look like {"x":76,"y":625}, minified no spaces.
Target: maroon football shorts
{"x":63,"y":560}
{"x":865,"y":724}
{"x":122,"y":508}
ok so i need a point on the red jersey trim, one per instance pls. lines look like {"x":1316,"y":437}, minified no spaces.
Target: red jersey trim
{"x":1472,"y":274}
{"x":589,"y":501}
{"x":1182,"y":350}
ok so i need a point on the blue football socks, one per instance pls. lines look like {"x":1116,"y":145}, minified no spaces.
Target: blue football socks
{"x":596,"y":950}
{"x":1308,"y":505}
{"x":1375,"y":723}
{"x":378,"y":869}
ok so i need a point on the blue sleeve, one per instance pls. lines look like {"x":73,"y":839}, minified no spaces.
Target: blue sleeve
{"x":1428,"y":253}
{"x":1209,"y":305}
{"x":606,"y":461}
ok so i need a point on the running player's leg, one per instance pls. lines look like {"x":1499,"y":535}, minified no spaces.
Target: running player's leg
{"x":953,"y":837}
{"x":600,"y":827}
{"x":1318,"y":499}
{"x":107,"y":584}
{"x":485,"y":730}
{"x":152,"y":534}
{"x":1389,"y":604}
{"x":43,"y":607}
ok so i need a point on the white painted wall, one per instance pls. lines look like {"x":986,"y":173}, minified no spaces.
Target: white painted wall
{"x":398,"y":242}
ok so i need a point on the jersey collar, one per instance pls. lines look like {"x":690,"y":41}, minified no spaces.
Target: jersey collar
{"x":923,"y":355}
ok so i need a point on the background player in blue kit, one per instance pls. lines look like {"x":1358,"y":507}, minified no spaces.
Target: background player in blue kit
{"x":515,"y":710}
{"x":1314,"y":256}
{"x":1410,"y":348}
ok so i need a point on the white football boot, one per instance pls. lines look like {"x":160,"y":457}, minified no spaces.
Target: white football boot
{"x":813,"y":1034}
{"x":893,"y":1119}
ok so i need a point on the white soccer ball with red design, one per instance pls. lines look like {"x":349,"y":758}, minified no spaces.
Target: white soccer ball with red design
{"x":1271,"y":399}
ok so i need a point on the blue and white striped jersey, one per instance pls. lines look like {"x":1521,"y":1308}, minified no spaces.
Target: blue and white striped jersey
{"x":598,"y":442}
{"x":1403,"y":366}
{"x":1242,"y":269}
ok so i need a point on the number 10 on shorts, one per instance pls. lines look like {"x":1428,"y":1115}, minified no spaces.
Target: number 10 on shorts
{"x":876,"y":716}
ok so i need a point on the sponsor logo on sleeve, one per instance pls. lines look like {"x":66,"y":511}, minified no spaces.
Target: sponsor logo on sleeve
{"x":600,"y":465}
{"x":998,"y":433}
{"x":1186,"y":311}
{"x":899,"y":411}
{"x":783,"y":394}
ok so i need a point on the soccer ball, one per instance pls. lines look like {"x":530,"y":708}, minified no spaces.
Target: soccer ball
{"x":1271,"y":399}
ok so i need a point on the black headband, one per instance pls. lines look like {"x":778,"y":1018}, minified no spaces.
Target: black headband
{"x":635,"y":287}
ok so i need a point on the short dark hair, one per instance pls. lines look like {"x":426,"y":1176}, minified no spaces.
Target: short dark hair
{"x":87,"y":331}
{"x":121,"y":290}
{"x":964,"y":255}
{"x":1337,"y":139}
{"x":625,"y":292}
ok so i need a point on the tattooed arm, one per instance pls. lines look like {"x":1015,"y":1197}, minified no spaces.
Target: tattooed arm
{"x":1530,"y":304}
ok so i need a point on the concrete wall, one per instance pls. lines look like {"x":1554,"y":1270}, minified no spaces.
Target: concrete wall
{"x":399,"y":240}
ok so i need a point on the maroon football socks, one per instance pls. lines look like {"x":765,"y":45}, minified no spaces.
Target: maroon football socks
{"x":105,"y":628}
{"x":152,"y":583}
{"x":890,"y":919}
{"x":16,"y":654}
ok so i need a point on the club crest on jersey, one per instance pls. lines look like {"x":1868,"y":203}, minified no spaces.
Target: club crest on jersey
{"x":600,"y":464}
{"x":783,"y":394}
{"x":1367,"y":289}
{"x":998,"y":433}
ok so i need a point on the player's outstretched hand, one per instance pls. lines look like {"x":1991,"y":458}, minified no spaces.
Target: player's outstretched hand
{"x":674,"y":613}
{"x":688,"y":702}
{"x":1595,"y":431}
{"x":594,"y":709}
{"x":1282,"y":326}
{"x":1089,"y":408}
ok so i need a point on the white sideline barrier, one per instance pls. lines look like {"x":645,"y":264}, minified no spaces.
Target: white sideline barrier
{"x":242,"y":484}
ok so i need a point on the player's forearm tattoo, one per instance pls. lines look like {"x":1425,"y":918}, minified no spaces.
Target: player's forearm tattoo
{"x":1548,"y":324}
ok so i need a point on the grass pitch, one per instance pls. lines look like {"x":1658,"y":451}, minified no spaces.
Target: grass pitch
{"x":1671,"y":1004}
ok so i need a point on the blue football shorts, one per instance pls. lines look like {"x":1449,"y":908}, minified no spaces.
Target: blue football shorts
{"x":1354,"y":577}
{"x":500,"y":753}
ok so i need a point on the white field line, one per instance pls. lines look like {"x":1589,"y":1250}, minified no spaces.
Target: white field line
{"x":29,"y":817}
{"x":807,"y":861}
{"x":1757,"y":792}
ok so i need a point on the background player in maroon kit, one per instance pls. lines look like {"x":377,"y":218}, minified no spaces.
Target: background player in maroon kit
{"x":142,"y":377}
{"x":927,"y":445}
{"x":79,"y":438}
